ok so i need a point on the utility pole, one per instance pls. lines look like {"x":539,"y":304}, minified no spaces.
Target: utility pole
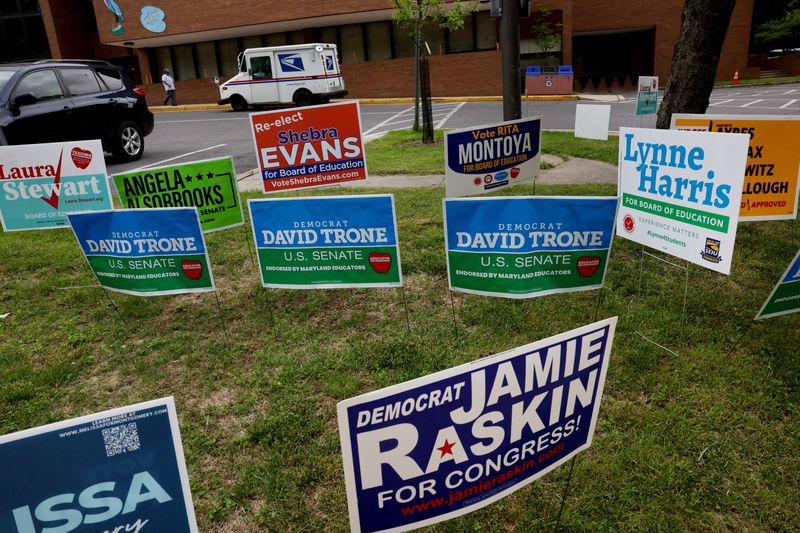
{"x":509,"y":48}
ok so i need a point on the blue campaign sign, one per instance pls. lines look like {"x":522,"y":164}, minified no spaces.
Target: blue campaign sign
{"x":444,"y":445}
{"x":489,"y":158}
{"x":146,"y":252}
{"x":524,"y":247}
{"x":119,"y":470}
{"x":40,"y":184}
{"x":327,"y":242}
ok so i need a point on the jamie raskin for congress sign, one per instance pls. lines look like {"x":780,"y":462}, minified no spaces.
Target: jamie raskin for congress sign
{"x":41,"y":183}
{"x":209,"y":185}
{"x":528,"y":246}
{"x":145,"y":252}
{"x":481,"y":160}
{"x":309,"y":147}
{"x":680,"y":192}
{"x":447,"y":444}
{"x":327,"y":242}
{"x":117,"y":471}
{"x":785,"y":297}
{"x":773,"y":160}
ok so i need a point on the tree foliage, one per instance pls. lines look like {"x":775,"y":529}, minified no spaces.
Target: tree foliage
{"x":782,"y":32}
{"x":547,"y":34}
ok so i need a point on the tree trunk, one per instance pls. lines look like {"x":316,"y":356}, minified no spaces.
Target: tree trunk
{"x":704,"y":25}
{"x":427,"y":108}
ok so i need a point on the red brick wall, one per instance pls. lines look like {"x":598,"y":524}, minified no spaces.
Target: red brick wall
{"x":186,"y":16}
{"x":790,"y":64}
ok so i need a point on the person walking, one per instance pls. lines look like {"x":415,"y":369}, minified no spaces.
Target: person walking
{"x":169,"y":87}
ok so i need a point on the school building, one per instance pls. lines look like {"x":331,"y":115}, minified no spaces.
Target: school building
{"x":609,"y":43}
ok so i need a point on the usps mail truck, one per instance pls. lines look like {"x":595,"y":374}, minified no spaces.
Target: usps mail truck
{"x":304,"y":74}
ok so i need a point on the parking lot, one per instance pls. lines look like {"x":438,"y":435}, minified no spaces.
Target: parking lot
{"x":193,"y":135}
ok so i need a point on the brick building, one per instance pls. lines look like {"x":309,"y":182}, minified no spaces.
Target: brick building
{"x":608,"y":42}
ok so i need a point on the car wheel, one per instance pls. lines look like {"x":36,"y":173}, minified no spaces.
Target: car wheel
{"x":303,"y":98}
{"x":128,"y":144}
{"x":238,"y":103}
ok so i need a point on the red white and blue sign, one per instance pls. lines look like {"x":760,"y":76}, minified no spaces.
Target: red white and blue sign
{"x":489,"y":158}
{"x":119,"y":470}
{"x":447,"y":444}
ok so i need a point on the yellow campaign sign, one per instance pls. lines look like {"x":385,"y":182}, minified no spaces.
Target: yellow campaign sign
{"x":773,"y":160}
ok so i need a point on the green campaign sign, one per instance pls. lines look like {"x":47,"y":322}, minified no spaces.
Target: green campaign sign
{"x":785,"y":297}
{"x":145,"y":252}
{"x":522,"y":247}
{"x":208,"y":185}
{"x":327,"y":242}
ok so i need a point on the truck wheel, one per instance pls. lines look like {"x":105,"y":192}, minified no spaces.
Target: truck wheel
{"x":128,"y":142}
{"x":238,"y":103}
{"x":302,"y":98}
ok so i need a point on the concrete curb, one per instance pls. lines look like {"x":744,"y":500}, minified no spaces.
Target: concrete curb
{"x":744,"y":86}
{"x":375,"y":101}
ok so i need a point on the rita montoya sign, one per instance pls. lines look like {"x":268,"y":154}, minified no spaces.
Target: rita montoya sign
{"x":443,"y":445}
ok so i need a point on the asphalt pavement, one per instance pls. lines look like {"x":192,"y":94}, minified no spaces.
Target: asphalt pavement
{"x":195,"y":135}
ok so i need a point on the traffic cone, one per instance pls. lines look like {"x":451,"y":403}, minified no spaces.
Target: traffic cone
{"x":736,"y":78}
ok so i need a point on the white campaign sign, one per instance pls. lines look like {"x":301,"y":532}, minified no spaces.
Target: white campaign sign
{"x":680,"y":192}
{"x":591,"y":121}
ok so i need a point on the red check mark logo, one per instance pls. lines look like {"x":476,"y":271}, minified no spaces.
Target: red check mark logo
{"x":53,"y":200}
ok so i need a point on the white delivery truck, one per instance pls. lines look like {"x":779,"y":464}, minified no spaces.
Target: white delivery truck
{"x":304,"y":74}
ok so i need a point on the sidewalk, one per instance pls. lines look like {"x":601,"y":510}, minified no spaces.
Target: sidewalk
{"x":573,"y":171}
{"x":370,"y":101}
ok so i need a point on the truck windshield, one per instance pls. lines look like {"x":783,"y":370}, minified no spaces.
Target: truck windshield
{"x":5,"y":75}
{"x":240,"y":60}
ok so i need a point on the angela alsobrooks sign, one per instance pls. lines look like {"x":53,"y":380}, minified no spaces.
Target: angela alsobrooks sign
{"x":41,"y":183}
{"x":680,"y":192}
{"x":117,"y":471}
{"x":521,"y":247}
{"x":481,"y":160}
{"x":444,"y":445}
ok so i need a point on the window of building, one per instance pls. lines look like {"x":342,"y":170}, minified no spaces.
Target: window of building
{"x":379,"y":40}
{"x":228,"y":52}
{"x":434,"y":36}
{"x":80,"y":81}
{"x":352,"y":43}
{"x":184,"y":62}
{"x":328,"y":35}
{"x":206,"y":57}
{"x":275,"y":39}
{"x":403,"y":43}
{"x":297,"y":37}
{"x":486,"y":31}
{"x":42,"y":83}
{"x":162,"y":60}
{"x":254,"y":41}
{"x":461,"y":40}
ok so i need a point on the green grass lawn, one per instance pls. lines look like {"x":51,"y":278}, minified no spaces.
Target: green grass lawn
{"x":403,"y":153}
{"x":708,"y":440}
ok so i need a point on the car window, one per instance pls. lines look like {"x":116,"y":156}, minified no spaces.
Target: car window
{"x":261,"y":67}
{"x":112,"y":78}
{"x":42,"y":83}
{"x":5,"y":75}
{"x":80,"y":81}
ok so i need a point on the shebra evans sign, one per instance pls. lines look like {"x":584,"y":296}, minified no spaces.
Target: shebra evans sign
{"x":486,"y":159}
{"x":41,"y":183}
{"x":680,"y":192}
{"x":117,"y":471}
{"x":309,"y":147}
{"x":446,"y":444}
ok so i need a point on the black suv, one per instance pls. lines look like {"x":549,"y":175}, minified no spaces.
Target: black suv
{"x":71,"y":100}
